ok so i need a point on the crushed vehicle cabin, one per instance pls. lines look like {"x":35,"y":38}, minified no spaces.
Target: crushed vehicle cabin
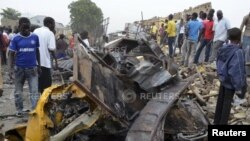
{"x":126,"y":90}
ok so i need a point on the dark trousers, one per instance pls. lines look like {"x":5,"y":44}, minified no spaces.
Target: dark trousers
{"x":204,"y":43}
{"x":223,"y":107}
{"x":3,"y":57}
{"x":170,"y":45}
{"x":180,"y":40}
{"x":45,"y":79}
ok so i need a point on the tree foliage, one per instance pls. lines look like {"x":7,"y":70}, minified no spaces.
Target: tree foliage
{"x":85,"y":15}
{"x":10,"y":13}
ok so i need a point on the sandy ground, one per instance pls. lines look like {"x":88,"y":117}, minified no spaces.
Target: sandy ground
{"x":8,"y":120}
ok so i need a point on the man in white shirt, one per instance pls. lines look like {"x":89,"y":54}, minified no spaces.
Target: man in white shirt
{"x":246,"y":39}
{"x":85,"y":35}
{"x":47,"y":45}
{"x":221,"y":26}
{"x":200,"y":16}
{"x":180,"y":34}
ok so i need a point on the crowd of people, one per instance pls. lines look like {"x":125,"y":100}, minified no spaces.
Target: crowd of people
{"x":192,"y":34}
{"x":31,"y":50}
{"x":223,"y":46}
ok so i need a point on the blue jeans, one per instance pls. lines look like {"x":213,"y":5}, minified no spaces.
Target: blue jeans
{"x":207,"y":43}
{"x":191,"y":50}
{"x":246,"y":48}
{"x":171,"y":41}
{"x":183,"y":51}
{"x":21,"y":74}
{"x":215,"y":48}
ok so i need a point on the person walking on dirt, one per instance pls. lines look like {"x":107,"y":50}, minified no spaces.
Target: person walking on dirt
{"x":207,"y":39}
{"x":193,"y":29}
{"x":25,"y":48}
{"x":171,"y":31}
{"x":47,"y":45}
{"x":220,"y":28}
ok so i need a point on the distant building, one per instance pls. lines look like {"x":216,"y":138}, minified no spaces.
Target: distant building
{"x":116,"y":35}
{"x":38,"y":20}
{"x":8,"y":22}
{"x":205,"y":7}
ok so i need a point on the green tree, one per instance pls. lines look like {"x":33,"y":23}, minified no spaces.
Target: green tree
{"x":85,"y":15}
{"x":10,"y":13}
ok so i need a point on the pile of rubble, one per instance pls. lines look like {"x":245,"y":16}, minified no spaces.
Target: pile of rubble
{"x":205,"y":90}
{"x":131,"y":90}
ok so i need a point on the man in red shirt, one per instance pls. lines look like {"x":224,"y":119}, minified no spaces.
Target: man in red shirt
{"x":208,"y":35}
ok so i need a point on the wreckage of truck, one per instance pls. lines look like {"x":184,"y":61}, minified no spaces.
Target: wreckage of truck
{"x":126,"y":90}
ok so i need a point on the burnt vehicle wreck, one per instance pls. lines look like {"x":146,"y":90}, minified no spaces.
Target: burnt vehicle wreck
{"x":127,"y":90}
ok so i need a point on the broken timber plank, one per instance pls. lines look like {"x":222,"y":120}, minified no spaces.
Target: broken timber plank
{"x":199,"y":97}
{"x":145,"y":126}
{"x":200,"y":76}
{"x":209,"y":95}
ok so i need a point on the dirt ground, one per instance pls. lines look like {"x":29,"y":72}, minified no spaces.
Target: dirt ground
{"x":7,"y":105}
{"x":8,"y":119}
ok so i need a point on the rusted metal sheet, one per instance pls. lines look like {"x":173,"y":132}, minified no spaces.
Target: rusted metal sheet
{"x":145,"y":126}
{"x":86,"y":71}
{"x":185,"y":117}
{"x":149,"y":76}
{"x":109,"y":85}
{"x":100,"y":103}
{"x":103,"y":84}
{"x":136,"y":93}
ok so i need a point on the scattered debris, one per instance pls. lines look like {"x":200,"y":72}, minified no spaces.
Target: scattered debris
{"x":205,"y":90}
{"x":128,"y":90}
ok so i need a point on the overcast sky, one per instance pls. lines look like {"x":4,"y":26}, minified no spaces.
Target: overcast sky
{"x":123,"y":11}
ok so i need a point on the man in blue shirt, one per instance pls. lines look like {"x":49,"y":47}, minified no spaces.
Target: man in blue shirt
{"x":24,"y":47}
{"x":194,"y":27}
